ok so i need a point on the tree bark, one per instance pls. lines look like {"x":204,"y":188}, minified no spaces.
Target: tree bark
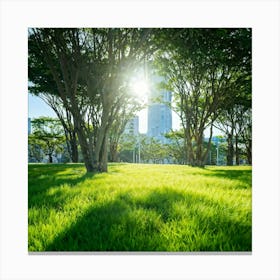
{"x":249,"y":152}
{"x":98,"y":153}
{"x":50,"y":158}
{"x":103,"y":165}
{"x":208,"y":145}
{"x":230,"y":151}
{"x":199,"y":153}
{"x":85,"y":148}
{"x":74,"y":155}
{"x":70,"y":134}
{"x":113,"y":152}
{"x":237,"y":156}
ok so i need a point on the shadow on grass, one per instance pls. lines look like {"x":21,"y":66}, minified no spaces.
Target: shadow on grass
{"x":150,"y":224}
{"x":244,"y":177}
{"x":147,"y":223}
{"x":42,"y":178}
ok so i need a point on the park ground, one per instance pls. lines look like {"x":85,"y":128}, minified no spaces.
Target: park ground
{"x":139,"y":207}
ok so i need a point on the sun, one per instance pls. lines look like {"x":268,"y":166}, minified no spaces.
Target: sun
{"x":140,"y":87}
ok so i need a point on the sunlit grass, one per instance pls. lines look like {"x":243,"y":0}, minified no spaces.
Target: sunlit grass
{"x":138,"y":207}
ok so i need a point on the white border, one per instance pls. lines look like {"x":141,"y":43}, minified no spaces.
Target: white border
{"x":262,"y":16}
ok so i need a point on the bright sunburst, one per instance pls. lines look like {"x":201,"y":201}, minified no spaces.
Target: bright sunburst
{"x":140,"y":87}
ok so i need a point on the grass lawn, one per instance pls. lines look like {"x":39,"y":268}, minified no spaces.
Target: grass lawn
{"x":139,"y":207}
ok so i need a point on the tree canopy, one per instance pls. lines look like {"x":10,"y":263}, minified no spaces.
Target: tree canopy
{"x":47,"y":138}
{"x":84,"y":75}
{"x":208,"y":71}
{"x":89,"y":70}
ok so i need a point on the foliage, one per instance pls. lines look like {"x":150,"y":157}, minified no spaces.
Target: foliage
{"x":153,"y":151}
{"x":42,"y":84}
{"x":35,"y":153}
{"x":90,"y":69}
{"x":84,"y":75}
{"x":236,"y":123}
{"x":177,"y":146}
{"x":139,"y":207}
{"x":246,"y":134}
{"x":126,"y":114}
{"x":47,"y":138}
{"x":207,"y":70}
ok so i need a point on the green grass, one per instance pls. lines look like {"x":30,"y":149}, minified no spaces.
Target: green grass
{"x":138,"y":207}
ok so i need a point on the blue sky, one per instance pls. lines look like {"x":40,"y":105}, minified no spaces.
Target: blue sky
{"x":37,"y":108}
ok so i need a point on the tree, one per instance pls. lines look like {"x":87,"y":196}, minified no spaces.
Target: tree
{"x":90,"y":69}
{"x":246,"y":134}
{"x":47,"y":136}
{"x":35,"y":153}
{"x":212,"y":155}
{"x":42,"y":85}
{"x":202,"y":67}
{"x":177,"y":146}
{"x":234,"y":122}
{"x":226,"y":122}
{"x":127,"y":147}
{"x":126,"y":114}
{"x":152,"y":150}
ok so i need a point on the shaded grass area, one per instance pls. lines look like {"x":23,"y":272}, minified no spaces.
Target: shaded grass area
{"x":137,"y":207}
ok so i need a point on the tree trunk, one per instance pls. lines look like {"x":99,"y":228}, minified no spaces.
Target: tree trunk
{"x":198,"y":157}
{"x":103,"y":165}
{"x":100,"y":157}
{"x":50,"y":158}
{"x":185,"y":154}
{"x":70,"y":134}
{"x":237,"y":157}
{"x":85,"y":148}
{"x":189,"y":147}
{"x":88,"y":162}
{"x":199,"y":162}
{"x":74,"y":150}
{"x":208,"y":148}
{"x":114,"y":152}
{"x":230,"y":151}
{"x":249,"y":152}
{"x":190,"y":156}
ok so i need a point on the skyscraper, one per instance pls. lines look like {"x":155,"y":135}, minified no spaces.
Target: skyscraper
{"x":132,"y":126}
{"x":131,"y":136}
{"x":159,"y":113}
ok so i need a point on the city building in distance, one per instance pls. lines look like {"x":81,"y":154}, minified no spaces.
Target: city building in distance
{"x":132,"y":126}
{"x":159,"y":113}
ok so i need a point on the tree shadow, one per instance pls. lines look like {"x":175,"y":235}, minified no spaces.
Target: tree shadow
{"x":244,"y":177}
{"x":127,"y":223}
{"x":46,"y":176}
{"x":41,"y":180}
